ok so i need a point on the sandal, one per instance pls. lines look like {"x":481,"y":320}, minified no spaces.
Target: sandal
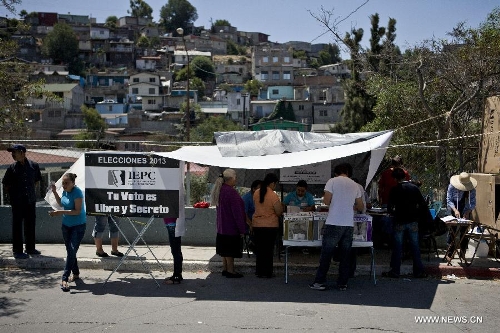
{"x":73,"y":278}
{"x":64,"y":286}
{"x":174,"y":279}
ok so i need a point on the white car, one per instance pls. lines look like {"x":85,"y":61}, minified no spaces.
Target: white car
{"x":107,"y":101}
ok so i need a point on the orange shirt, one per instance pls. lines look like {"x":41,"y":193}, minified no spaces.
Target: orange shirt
{"x":264,"y":216}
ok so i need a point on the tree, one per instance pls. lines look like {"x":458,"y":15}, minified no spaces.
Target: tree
{"x":16,"y":89}
{"x":139,"y":8}
{"x":10,"y":4}
{"x":95,"y":127}
{"x":203,"y":68}
{"x":143,"y":42}
{"x":61,"y":44}
{"x":281,"y":111}
{"x":204,"y":132}
{"x":436,"y":93}
{"x":178,"y":14}
{"x":221,"y":23}
{"x":253,"y":87}
{"x":329,"y":55}
{"x":111,"y":22}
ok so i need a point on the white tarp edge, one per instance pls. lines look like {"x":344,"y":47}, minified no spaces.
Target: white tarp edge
{"x":211,"y":156}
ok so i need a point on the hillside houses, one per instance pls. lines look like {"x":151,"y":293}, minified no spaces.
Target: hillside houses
{"x":134,"y":88}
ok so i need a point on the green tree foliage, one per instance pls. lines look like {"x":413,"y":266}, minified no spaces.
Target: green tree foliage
{"x":204,"y":132}
{"x":61,"y":44}
{"x":282,"y":110}
{"x":143,"y":41}
{"x":252,"y":87}
{"x":15,"y":92}
{"x":111,"y":22}
{"x":233,"y":49}
{"x":178,"y":14}
{"x":203,"y":68}
{"x":95,"y":127}
{"x":199,"y":187}
{"x":221,"y":23}
{"x":329,"y":55}
{"x":435,"y":96}
{"x":139,"y":8}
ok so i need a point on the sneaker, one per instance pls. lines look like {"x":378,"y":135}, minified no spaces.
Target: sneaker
{"x":34,"y":252}
{"x":21,"y":255}
{"x":317,"y":286}
{"x":342,"y":287}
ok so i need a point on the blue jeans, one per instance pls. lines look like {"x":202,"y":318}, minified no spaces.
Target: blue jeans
{"x":175,"y":249}
{"x":72,"y":239}
{"x":100,"y":225}
{"x":397,"y":250}
{"x":334,"y":235}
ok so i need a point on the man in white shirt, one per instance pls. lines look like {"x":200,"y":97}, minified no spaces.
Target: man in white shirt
{"x":342,"y":194}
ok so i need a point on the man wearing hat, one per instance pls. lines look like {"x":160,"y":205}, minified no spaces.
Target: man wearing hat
{"x":461,"y":201}
{"x":20,"y":182}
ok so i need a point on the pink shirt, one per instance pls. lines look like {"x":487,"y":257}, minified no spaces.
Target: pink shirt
{"x":264,"y":215}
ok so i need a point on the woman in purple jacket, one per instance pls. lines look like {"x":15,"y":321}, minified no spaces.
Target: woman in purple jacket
{"x":231,"y":222}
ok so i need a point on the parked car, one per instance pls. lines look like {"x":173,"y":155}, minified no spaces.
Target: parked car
{"x":107,"y":101}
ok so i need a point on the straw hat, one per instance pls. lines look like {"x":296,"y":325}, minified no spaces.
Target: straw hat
{"x":463,"y":182}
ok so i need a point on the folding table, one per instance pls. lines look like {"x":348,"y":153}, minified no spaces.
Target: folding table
{"x":454,"y":226}
{"x":140,"y":234}
{"x":317,"y":243}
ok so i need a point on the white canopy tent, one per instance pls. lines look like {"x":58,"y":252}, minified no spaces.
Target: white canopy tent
{"x":278,"y":145}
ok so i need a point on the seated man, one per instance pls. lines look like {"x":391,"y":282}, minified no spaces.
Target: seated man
{"x":300,"y":198}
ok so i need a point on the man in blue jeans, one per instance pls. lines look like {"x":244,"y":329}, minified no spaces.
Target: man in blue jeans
{"x":342,"y":194}
{"x":407,"y":205}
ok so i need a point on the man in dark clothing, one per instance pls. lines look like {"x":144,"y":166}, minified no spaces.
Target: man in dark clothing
{"x":407,"y":205}
{"x":19,"y":182}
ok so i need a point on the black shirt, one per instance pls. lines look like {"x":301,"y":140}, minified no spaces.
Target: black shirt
{"x":406,"y":203}
{"x":20,"y":181}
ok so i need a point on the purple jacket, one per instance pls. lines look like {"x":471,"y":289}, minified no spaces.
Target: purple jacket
{"x":230,"y":212}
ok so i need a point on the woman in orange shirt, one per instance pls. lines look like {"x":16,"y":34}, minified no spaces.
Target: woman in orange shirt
{"x":265,"y":223}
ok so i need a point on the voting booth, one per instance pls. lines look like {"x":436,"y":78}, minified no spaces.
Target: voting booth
{"x":127,"y":185}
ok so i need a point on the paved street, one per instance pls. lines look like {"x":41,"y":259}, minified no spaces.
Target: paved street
{"x":31,"y":301}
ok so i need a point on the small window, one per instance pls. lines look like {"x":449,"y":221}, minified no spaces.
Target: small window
{"x":287,"y":75}
{"x":135,"y":91}
{"x":265,"y":59}
{"x":151,"y":79}
{"x":264,"y":75}
{"x":135,"y":79}
{"x":301,"y":107}
{"x":276,"y":75}
{"x":286,"y":59}
{"x":110,"y":108}
{"x":323,"y":113}
{"x":275,"y":59}
{"x":276,"y":91}
{"x":151,"y":102}
{"x":151,"y":91}
{"x":238,"y":102}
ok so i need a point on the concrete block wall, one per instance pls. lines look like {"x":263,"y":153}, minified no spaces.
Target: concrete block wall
{"x":200,"y":228}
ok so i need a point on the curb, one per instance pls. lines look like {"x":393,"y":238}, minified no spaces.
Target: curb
{"x":247,"y":267}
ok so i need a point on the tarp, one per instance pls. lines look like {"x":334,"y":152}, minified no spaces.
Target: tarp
{"x":278,"y":153}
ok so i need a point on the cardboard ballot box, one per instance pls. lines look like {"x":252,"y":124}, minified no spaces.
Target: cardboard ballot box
{"x":298,"y":226}
{"x":362,"y":228}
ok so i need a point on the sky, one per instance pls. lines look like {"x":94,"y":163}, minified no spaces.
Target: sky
{"x":291,"y":20}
